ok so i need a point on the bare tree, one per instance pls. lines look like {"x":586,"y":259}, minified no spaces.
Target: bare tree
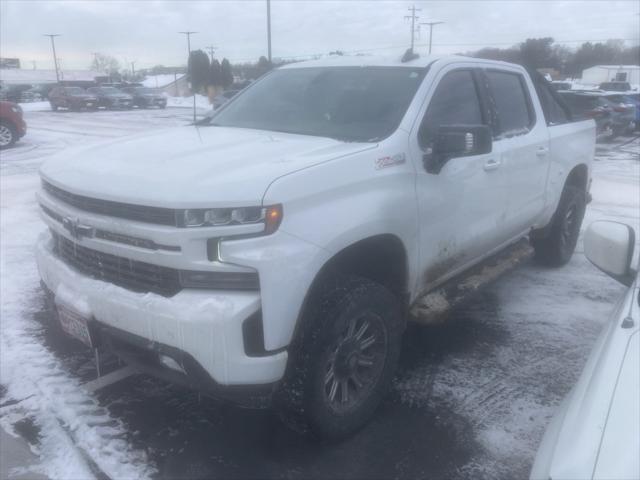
{"x":104,"y":63}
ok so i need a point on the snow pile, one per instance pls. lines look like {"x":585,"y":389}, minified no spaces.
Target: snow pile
{"x":161,"y":81}
{"x":77,"y":436}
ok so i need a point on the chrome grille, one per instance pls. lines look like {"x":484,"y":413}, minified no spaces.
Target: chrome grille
{"x":130,"y":274}
{"x":140,"y":213}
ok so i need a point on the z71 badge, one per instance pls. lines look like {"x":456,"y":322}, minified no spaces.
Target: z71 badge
{"x":385,"y":162}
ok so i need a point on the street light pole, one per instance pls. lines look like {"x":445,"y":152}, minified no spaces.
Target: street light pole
{"x":431,"y":25}
{"x":188,"y":34}
{"x":269,"y":30}
{"x":55,"y":58}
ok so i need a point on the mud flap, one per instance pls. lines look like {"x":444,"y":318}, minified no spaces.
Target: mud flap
{"x":435,"y":306}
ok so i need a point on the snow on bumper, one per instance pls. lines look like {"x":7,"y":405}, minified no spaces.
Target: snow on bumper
{"x":205,"y":324}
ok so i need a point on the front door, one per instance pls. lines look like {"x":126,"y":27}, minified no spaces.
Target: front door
{"x":461,"y":208}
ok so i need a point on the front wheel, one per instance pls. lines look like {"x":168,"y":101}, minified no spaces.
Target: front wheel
{"x":8,"y":135}
{"x":557,"y":247}
{"x":344,"y":359}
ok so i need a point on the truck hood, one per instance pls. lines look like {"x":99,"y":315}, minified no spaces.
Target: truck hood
{"x":187,"y":167}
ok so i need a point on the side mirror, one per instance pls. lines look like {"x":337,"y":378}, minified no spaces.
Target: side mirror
{"x":452,"y":141}
{"x":609,"y":246}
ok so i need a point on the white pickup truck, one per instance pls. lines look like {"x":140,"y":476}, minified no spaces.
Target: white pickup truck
{"x":273,"y":251}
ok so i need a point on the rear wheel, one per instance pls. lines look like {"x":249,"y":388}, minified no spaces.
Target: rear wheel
{"x":344,"y":359}
{"x":54,"y":107}
{"x":8,"y":135}
{"x":557,"y":247}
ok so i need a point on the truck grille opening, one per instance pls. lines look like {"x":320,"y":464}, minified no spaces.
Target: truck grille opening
{"x":140,"y":213}
{"x":130,"y":274}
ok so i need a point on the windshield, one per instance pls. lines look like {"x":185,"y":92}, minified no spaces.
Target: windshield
{"x":74,"y":90}
{"x":347,"y":103}
{"x":144,"y":90}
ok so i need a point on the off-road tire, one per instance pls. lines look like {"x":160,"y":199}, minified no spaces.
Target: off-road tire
{"x":556,"y":248}
{"x":8,"y":134}
{"x":323,"y":345}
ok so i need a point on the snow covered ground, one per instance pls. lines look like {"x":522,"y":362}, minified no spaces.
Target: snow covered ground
{"x":471,"y":400}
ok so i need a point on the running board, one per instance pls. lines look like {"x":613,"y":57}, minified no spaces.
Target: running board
{"x":434,"y":306}
{"x":110,"y":378}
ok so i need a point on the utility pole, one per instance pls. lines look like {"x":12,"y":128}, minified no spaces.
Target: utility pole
{"x":269,"y":30}
{"x":133,"y":70}
{"x":431,"y":25}
{"x":188,"y":34}
{"x":413,"y":18}
{"x":211,"y":49}
{"x":55,"y":58}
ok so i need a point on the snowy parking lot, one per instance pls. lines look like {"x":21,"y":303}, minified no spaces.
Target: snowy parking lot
{"x":471,"y":400}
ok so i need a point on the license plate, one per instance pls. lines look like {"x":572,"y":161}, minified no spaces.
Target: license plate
{"x":74,"y":324}
{"x":89,"y":104}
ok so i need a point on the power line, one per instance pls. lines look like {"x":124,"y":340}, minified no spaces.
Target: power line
{"x":431,"y":25}
{"x":413,"y":18}
{"x":211,"y":49}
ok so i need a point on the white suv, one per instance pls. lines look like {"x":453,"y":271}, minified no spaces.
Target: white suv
{"x":273,"y":252}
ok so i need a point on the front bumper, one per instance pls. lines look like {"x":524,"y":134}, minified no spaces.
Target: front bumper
{"x":204,"y":325}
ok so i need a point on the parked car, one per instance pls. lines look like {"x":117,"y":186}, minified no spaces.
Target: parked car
{"x":12,"y":125}
{"x":31,"y":95}
{"x":223,"y":98}
{"x":112,"y":98}
{"x":281,"y":247}
{"x":615,"y":86}
{"x":556,"y":85}
{"x":592,"y":105}
{"x":145,"y":97}
{"x":72,"y":98}
{"x":596,"y":432}
{"x":13,"y":92}
{"x":623,"y":114}
{"x":630,"y":101}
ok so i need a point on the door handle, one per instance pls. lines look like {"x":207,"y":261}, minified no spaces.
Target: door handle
{"x":491,"y":164}
{"x":542,"y":151}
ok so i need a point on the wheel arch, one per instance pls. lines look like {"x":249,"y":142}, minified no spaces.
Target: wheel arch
{"x":362,"y":258}
{"x":578,"y":177}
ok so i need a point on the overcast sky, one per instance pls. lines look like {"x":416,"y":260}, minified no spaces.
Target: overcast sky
{"x":145,"y":31}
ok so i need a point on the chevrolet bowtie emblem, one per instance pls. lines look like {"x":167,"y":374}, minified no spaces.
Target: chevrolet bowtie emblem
{"x":76,"y":229}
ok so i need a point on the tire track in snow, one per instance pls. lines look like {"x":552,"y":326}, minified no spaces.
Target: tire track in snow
{"x":78,"y":437}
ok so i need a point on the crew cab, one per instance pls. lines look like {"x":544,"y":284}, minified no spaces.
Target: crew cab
{"x":271,"y":254}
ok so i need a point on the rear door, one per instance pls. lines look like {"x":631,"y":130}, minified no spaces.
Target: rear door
{"x":459,"y":208}
{"x":520,"y":134}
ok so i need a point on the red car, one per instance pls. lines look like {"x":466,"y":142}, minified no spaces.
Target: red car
{"x":12,"y":125}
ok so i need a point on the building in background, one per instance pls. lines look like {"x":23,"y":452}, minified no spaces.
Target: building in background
{"x":9,"y":62}
{"x":11,"y":76}
{"x":612,"y":73}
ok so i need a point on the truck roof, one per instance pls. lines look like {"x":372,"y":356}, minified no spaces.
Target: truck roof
{"x":387,"y":61}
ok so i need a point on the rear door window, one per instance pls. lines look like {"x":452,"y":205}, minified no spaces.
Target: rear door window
{"x":455,"y":102}
{"x":511,"y":102}
{"x":554,"y":112}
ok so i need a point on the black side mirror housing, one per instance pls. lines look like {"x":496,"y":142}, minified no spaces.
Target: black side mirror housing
{"x":453,"y":141}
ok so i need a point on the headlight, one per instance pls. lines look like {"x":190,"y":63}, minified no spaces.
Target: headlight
{"x":214,"y":217}
{"x":16,"y":109}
